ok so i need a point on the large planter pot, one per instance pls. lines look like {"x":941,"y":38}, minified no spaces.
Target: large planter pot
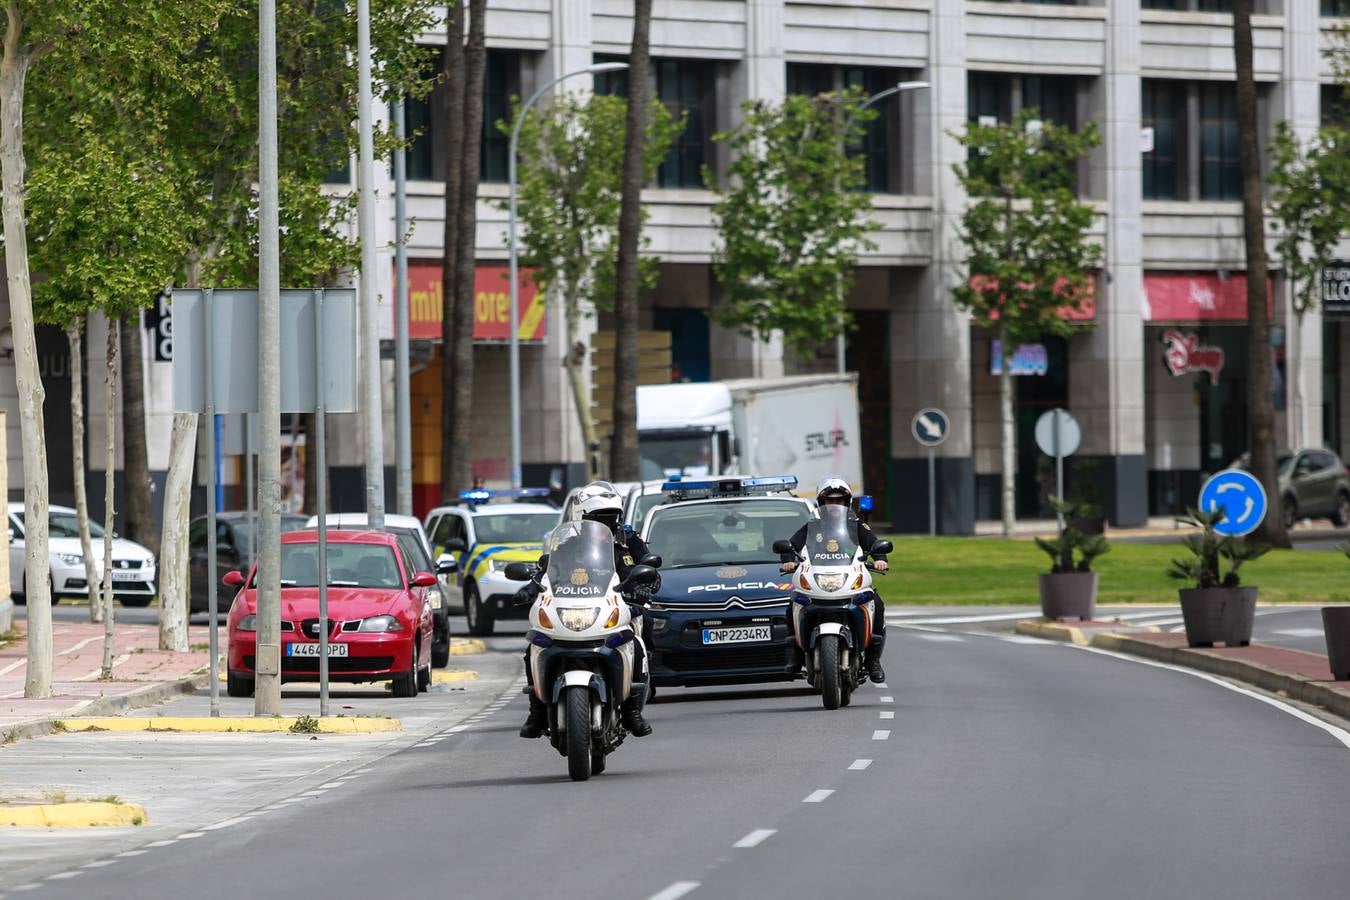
{"x":1336,"y":624}
{"x":1068,"y":595}
{"x":1214,"y":615}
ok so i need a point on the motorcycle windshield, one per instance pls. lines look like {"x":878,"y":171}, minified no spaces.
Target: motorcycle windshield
{"x":580,"y":560}
{"x":831,"y":537}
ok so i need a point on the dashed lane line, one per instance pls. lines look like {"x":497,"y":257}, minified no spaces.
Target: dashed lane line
{"x":817,"y":796}
{"x":888,"y":714}
{"x":940,"y":638}
{"x":887,"y":699}
{"x":859,"y":765}
{"x":881,"y":735}
{"x":676,"y":890}
{"x":755,"y":838}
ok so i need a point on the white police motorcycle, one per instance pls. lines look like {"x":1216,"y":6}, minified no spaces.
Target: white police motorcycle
{"x":582,"y":640}
{"x":833,"y":604}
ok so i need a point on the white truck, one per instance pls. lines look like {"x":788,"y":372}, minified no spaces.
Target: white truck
{"x":803,"y":425}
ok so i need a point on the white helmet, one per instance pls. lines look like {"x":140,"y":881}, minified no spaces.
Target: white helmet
{"x":834,"y":489}
{"x":599,"y":502}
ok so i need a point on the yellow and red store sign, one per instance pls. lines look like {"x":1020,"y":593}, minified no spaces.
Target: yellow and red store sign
{"x":491,"y":308}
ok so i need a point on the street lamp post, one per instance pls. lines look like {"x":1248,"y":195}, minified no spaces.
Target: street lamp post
{"x":875,"y":98}
{"x":514,"y":255}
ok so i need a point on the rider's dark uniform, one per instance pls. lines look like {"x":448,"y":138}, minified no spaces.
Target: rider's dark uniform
{"x":866,"y":539}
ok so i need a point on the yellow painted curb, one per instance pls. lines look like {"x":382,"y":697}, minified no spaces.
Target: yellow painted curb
{"x":74,"y":815}
{"x":456,"y":676}
{"x":250,"y":724}
{"x":467,"y":646}
{"x":1052,"y":631}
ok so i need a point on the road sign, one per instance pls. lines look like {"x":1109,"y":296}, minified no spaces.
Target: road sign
{"x":1241,"y":497}
{"x":930,"y":427}
{"x":1070,"y":435}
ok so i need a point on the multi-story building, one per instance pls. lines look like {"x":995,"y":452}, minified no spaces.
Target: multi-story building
{"x":1157,"y":77}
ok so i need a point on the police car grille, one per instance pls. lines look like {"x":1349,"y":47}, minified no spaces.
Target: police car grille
{"x":721,"y":605}
{"x":726,"y":658}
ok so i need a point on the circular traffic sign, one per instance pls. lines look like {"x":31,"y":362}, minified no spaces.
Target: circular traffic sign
{"x":1241,"y":497}
{"x":1057,"y":433}
{"x":930,"y":427}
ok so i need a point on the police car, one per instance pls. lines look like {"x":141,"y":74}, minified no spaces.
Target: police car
{"x":720,"y":616}
{"x":485,"y":531}
{"x":640,"y":497}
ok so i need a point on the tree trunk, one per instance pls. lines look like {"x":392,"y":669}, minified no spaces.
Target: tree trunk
{"x":623,"y":453}
{"x":574,"y":361}
{"x":173,"y":563}
{"x":136,"y":462}
{"x":454,"y":81}
{"x":1008,"y":422}
{"x":1293,"y":360}
{"x":460,"y":474}
{"x":76,"y":341}
{"x":37,"y":565}
{"x":110,"y":463}
{"x":1260,"y":399}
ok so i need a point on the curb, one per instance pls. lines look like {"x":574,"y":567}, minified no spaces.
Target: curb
{"x":1052,"y":631}
{"x":151,"y":695}
{"x":74,"y":815}
{"x":238,"y":724}
{"x":467,"y":646}
{"x":453,"y":676}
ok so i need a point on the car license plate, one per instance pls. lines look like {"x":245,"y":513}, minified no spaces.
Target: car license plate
{"x":126,"y":576}
{"x":313,"y":649}
{"x":737,"y":635}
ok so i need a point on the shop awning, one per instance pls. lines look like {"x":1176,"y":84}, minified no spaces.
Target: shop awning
{"x":1198,"y":297}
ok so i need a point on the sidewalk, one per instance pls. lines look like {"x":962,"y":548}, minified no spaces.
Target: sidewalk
{"x":142,"y":674}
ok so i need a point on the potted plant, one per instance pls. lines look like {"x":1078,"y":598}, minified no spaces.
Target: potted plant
{"x":1336,"y":626}
{"x":1215,"y":606}
{"x":1069,"y":589}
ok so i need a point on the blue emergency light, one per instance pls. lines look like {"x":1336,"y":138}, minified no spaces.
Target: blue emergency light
{"x":865,"y":503}
{"x":729,"y":487}
{"x":482,"y":495}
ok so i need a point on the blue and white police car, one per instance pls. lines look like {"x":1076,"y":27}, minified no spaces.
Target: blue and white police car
{"x":720,"y":616}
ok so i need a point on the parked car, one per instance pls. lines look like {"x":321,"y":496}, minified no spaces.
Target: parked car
{"x":233,"y":528}
{"x":413,"y":540}
{"x":379,"y":617}
{"x":1314,"y":484}
{"x":133,"y":566}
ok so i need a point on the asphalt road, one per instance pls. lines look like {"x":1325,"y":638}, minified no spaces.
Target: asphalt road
{"x":991,"y":765}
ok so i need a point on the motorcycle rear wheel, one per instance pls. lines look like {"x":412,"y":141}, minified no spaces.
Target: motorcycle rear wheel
{"x":831,"y":693}
{"x":578,"y":714}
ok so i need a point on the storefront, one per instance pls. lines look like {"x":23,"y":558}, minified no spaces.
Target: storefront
{"x":1335,"y":310}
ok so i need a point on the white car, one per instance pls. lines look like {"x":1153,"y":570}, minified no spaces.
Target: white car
{"x":133,"y":571}
{"x":640,"y":498}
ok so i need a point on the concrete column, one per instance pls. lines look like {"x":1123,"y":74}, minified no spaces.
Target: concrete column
{"x":761,"y":74}
{"x":734,"y":355}
{"x":930,"y":337}
{"x":1106,"y":374}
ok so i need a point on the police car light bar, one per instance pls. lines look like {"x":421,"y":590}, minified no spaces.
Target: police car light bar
{"x":729,"y":487}
{"x":481,"y":495}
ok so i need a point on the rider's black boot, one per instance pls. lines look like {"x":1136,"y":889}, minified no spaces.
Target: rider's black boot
{"x":631,"y":715}
{"x":873,"y":659}
{"x":537,"y":722}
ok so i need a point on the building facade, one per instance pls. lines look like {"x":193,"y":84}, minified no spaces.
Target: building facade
{"x":1158,"y":383}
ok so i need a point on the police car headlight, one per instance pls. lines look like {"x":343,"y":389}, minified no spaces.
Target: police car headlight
{"x":434,"y":596}
{"x":831,"y":581}
{"x":579,"y":618}
{"x":499,"y":565}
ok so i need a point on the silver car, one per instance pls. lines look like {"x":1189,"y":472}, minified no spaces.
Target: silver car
{"x":1314,"y":484}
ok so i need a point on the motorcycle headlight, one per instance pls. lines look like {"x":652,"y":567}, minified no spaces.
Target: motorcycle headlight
{"x":831,"y":581}
{"x":248,"y":623}
{"x":379,"y":625}
{"x":71,"y":559}
{"x":579,"y":618}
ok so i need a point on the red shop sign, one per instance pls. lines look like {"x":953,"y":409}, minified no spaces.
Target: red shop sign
{"x":1198,"y":298}
{"x":1183,"y":353}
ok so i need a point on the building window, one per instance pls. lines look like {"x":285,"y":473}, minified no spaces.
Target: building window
{"x":424,"y":119}
{"x":1163,"y":111}
{"x":997,"y":97}
{"x":1339,"y":8}
{"x":880,"y":135}
{"x":1334,"y":105}
{"x":501,"y":81}
{"x":1220,"y":175}
{"x":687,"y":88}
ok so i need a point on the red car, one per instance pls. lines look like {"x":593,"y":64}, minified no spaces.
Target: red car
{"x":380,"y":620}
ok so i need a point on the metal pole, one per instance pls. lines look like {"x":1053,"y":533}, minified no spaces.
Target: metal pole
{"x":212,"y":600}
{"x":513,"y":251}
{"x":321,"y":464}
{"x":370,"y":324}
{"x":267,"y":683}
{"x":402,"y":380}
{"x":249,"y":499}
{"x":1059,"y":469}
{"x":932,"y":492}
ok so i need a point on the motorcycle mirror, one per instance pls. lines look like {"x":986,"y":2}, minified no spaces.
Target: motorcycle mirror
{"x":651,"y":559}
{"x":882,"y":547}
{"x":641,"y":576}
{"x":446,"y":564}
{"x":781,"y":547}
{"x":520,"y":571}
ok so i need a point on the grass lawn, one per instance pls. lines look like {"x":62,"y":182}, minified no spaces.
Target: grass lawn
{"x":979,"y":571}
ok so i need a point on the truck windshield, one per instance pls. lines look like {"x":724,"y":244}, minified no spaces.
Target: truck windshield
{"x":690,"y":454}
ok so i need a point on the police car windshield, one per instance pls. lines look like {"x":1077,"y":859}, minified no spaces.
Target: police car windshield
{"x":580,"y":560}
{"x":513,"y":528}
{"x":728,"y":531}
{"x":831,"y":537}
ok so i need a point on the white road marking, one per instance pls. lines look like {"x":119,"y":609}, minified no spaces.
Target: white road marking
{"x":941,"y":637}
{"x":817,"y":796}
{"x":887,"y":699}
{"x":881,"y":686}
{"x":31,"y":886}
{"x":10,"y":668}
{"x":675,"y":891}
{"x":129,"y":853}
{"x":190,"y":835}
{"x":859,"y":765}
{"x":963,"y":620}
{"x":237,"y":820}
{"x":881,"y":735}
{"x":1340,"y":734}
{"x":98,"y":864}
{"x":330,"y":785}
{"x":61,"y":876}
{"x":888,"y":714}
{"x":755,"y":838}
{"x":1024,"y":639}
{"x":76,"y":648}
{"x":1300,"y":632}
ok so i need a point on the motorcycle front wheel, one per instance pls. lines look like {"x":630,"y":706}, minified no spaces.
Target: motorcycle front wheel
{"x":578,"y":717}
{"x":831,"y":692}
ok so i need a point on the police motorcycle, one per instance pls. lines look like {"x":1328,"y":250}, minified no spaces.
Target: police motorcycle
{"x":833,"y":603}
{"x":582,"y":642}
